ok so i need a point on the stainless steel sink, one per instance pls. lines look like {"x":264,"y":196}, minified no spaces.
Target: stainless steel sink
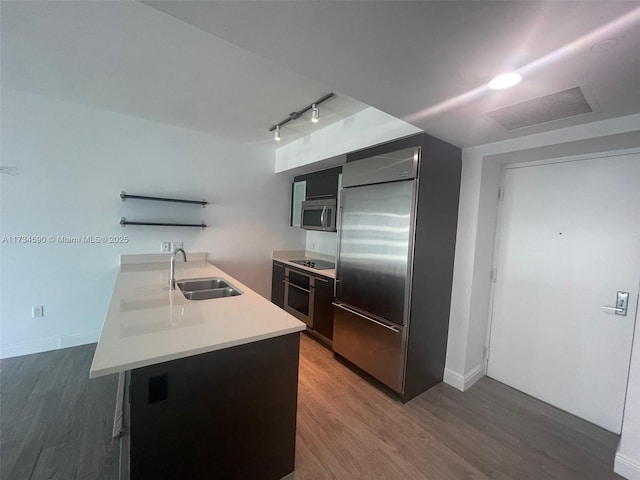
{"x":213,"y":293}
{"x":202,"y":284}
{"x":207,"y":288}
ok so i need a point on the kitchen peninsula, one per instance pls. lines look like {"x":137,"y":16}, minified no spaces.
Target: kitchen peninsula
{"x":211,"y":385}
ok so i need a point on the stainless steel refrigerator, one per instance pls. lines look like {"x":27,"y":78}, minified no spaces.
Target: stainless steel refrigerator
{"x":374,"y":263}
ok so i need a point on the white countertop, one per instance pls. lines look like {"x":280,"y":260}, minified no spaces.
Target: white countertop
{"x":286,"y":256}
{"x":147,"y":323}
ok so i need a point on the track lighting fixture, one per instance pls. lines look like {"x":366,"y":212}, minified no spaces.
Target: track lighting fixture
{"x":315,"y":115}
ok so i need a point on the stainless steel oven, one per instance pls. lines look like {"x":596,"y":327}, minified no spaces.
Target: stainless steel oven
{"x":299,"y":295}
{"x":319,"y":215}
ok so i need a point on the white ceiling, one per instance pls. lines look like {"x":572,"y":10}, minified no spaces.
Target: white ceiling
{"x":126,"y":57}
{"x":248,"y":65}
{"x":426,"y":61}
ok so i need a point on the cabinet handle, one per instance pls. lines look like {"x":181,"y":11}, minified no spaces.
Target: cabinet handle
{"x":294,"y":285}
{"x":324,"y":209}
{"x":278,"y":265}
{"x":319,"y":197}
{"x":393,"y":329}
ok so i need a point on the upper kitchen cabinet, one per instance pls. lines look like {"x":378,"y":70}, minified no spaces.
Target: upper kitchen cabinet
{"x":323,"y":184}
{"x":316,"y":186}
{"x":298,"y":192}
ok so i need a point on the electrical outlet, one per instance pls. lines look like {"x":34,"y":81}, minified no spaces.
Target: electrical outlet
{"x":37,"y":311}
{"x":175,"y":245}
{"x":165,"y":247}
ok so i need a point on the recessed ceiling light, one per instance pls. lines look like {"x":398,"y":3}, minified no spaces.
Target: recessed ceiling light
{"x":505,"y":80}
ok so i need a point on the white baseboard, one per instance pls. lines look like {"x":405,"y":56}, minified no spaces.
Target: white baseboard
{"x":463,"y":382}
{"x":454,"y":379}
{"x":626,"y":467}
{"x":474,"y":375}
{"x":79,"y":339}
{"x":47,"y":344}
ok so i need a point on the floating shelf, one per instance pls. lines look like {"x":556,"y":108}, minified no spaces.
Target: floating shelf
{"x":124,"y":222}
{"x":125,"y":195}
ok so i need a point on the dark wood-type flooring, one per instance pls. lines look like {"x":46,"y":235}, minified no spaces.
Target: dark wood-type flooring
{"x":56,"y":424}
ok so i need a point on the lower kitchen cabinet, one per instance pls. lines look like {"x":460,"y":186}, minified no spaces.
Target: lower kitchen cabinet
{"x":228,"y":414}
{"x":306,"y":296}
{"x":323,"y":308}
{"x":277,"y":284}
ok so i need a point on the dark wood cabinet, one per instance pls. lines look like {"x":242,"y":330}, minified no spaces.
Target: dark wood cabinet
{"x":323,"y":308}
{"x":277,"y":284}
{"x":228,"y":414}
{"x":323,"y":184}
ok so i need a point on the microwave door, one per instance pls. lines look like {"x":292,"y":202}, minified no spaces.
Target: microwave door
{"x":319,"y":215}
{"x":313,"y":218}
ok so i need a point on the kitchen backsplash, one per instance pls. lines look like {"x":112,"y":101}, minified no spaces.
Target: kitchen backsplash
{"x":322,"y":242}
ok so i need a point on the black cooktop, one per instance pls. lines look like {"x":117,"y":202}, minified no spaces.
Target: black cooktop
{"x":317,"y":264}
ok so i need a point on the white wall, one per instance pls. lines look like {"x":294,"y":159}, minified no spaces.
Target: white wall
{"x":73,"y":162}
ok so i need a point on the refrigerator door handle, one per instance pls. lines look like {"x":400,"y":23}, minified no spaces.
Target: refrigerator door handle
{"x":393,"y":329}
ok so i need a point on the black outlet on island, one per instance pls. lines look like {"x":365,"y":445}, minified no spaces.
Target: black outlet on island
{"x":158,"y":388}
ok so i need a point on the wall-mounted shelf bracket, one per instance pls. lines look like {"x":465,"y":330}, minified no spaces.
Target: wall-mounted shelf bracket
{"x":124,"y":222}
{"x":125,"y":195}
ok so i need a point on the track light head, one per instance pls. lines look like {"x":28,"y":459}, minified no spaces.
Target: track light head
{"x":315,"y":115}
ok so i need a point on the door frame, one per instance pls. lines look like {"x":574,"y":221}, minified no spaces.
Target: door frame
{"x":500,"y":224}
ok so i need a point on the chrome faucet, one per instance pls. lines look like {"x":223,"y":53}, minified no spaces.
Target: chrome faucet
{"x":172,"y":267}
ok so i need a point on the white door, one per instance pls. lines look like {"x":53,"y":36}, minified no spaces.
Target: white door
{"x":569,"y":240}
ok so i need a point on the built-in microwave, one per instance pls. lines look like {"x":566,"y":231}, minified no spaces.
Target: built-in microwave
{"x":319,"y":215}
